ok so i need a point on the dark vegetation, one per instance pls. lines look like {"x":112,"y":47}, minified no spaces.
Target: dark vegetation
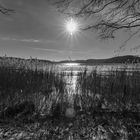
{"x":20,"y":83}
{"x":34,"y":102}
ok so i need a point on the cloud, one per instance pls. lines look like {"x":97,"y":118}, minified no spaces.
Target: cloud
{"x":31,"y":40}
{"x":50,"y":50}
{"x":63,"y":51}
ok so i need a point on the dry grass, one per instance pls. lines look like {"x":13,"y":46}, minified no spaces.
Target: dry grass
{"x":18,"y":84}
{"x":117,"y":91}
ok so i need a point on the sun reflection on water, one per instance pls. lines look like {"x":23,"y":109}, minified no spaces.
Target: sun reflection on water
{"x":71,"y":82}
{"x":71,"y":64}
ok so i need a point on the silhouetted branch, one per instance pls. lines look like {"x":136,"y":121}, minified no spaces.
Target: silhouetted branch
{"x":122,"y":46}
{"x":5,"y":11}
{"x":111,"y":15}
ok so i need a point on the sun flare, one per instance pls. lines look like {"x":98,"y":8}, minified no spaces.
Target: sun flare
{"x":71,"y":26}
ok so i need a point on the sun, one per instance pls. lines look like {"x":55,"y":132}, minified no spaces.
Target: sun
{"x":71,"y":26}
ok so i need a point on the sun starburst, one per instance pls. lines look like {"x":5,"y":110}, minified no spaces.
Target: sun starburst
{"x":71,"y":26}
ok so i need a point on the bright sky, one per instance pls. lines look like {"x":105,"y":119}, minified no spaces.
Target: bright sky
{"x":38,"y":30}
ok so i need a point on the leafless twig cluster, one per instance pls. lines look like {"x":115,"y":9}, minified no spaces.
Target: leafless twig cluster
{"x":5,"y":11}
{"x":110,"y":15}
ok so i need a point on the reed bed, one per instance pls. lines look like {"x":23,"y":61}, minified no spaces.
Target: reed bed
{"x":116,"y":91}
{"x":44,"y":88}
{"x":95,"y":96}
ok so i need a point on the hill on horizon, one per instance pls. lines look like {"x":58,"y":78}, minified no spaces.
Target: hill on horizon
{"x":118,"y":59}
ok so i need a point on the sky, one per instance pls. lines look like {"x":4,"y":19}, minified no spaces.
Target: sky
{"x":37,"y":30}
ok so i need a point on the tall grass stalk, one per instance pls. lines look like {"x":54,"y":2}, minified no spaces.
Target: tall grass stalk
{"x":116,"y":90}
{"x":44,"y":88}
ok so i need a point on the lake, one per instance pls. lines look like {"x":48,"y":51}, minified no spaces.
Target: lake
{"x":71,"y":71}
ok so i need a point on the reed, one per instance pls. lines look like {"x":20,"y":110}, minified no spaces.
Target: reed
{"x":114,"y":90}
{"x":19,"y":84}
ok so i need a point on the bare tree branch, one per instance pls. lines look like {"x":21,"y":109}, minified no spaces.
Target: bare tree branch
{"x":5,"y":11}
{"x":111,"y":15}
{"x":121,"y":48}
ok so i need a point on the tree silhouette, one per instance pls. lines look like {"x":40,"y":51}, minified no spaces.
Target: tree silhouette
{"x":108,"y":16}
